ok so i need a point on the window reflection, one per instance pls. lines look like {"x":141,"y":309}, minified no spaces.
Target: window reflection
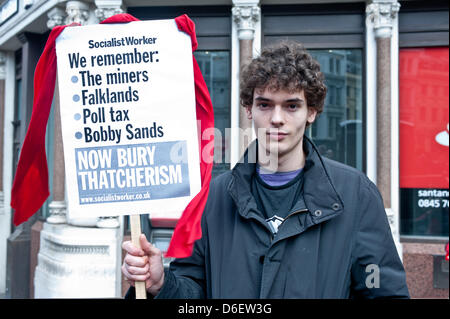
{"x":215,"y":67}
{"x":338,"y":130}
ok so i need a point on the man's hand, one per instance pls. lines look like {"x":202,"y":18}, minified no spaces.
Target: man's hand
{"x":143,"y":265}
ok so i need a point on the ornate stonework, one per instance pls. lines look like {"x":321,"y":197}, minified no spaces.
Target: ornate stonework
{"x":57,"y":210}
{"x":245,"y":17}
{"x":56,"y":17}
{"x":78,"y":262}
{"x":381,"y":13}
{"x":107,"y":8}
{"x":55,"y":269}
{"x":55,"y":247}
{"x":77,"y":12}
{"x":108,"y":222}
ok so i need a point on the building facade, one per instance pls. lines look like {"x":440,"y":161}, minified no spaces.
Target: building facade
{"x":386,"y":114}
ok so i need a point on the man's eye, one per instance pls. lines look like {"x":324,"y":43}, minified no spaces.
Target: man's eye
{"x":292,"y":106}
{"x":263,"y":105}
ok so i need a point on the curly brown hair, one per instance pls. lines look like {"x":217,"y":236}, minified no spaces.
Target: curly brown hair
{"x":286,"y":65}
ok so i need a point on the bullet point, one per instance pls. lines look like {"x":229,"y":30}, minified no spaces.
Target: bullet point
{"x":77,"y":116}
{"x":74,"y":79}
{"x":76,"y":98}
{"x":78,"y":135}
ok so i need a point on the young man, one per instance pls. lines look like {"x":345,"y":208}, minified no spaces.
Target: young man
{"x":292,"y":225}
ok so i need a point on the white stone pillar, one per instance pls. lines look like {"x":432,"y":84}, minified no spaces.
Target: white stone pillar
{"x":106,"y":9}
{"x":2,"y":112}
{"x":381,"y":17}
{"x":3,"y":220}
{"x":78,"y":262}
{"x":246,"y":14}
{"x":79,"y":12}
{"x":57,"y":208}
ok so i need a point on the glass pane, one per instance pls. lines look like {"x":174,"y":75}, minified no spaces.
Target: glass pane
{"x":338,"y":130}
{"x":215,"y":67}
{"x":17,"y":123}
{"x":424,"y":140}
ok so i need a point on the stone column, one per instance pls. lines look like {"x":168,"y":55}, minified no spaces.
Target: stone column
{"x":79,"y":12}
{"x":57,"y":208}
{"x":2,"y":113}
{"x":384,"y":118}
{"x":76,"y":12}
{"x":245,"y":15}
{"x":107,"y":8}
{"x":381,"y":13}
{"x":80,"y":258}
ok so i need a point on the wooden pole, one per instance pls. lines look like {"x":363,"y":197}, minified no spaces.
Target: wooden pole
{"x":135,"y":221}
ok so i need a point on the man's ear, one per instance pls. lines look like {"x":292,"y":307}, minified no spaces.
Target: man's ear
{"x":312,"y":113}
{"x":248,"y":109}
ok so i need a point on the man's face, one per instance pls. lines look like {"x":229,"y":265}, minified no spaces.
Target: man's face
{"x":280,"y":120}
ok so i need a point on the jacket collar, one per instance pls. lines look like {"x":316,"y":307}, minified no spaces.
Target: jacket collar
{"x":319,"y":193}
{"x":239,"y":186}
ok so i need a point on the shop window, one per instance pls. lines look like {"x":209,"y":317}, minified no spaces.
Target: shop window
{"x":18,"y":121}
{"x":338,"y":130}
{"x":334,"y":35}
{"x":424,"y":141}
{"x":215,"y":67}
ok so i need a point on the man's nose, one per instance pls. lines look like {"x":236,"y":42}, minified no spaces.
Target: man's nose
{"x":277,"y":116}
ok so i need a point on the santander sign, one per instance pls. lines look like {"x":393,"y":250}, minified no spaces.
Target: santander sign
{"x":424,"y":126}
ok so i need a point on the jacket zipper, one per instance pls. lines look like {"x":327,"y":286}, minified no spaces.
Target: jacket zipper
{"x":291,"y":214}
{"x":294,"y":213}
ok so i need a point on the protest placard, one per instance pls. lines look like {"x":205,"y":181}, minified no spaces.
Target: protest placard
{"x":128,"y":119}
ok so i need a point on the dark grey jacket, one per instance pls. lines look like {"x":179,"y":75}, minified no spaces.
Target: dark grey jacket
{"x":338,"y":243}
